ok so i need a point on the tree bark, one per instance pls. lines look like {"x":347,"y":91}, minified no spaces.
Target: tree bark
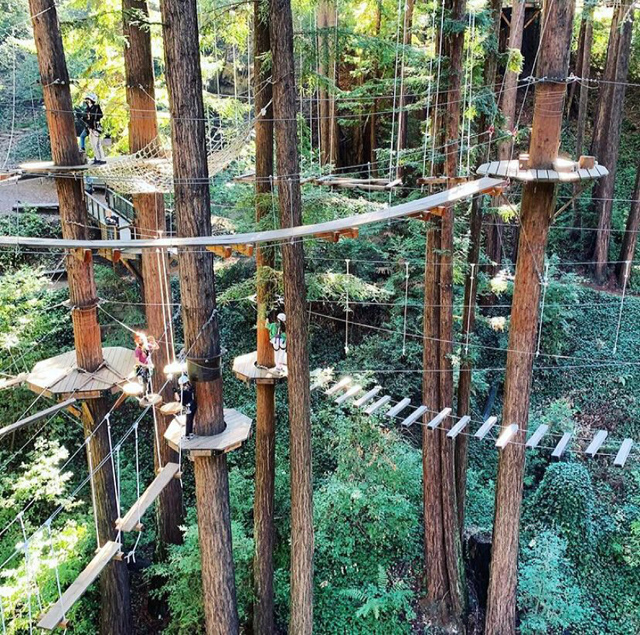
{"x":443,"y":552}
{"x":403,"y":115}
{"x":327,"y":23}
{"x":263,"y":527}
{"x":538,"y":206}
{"x":150,"y":222}
{"x":628,"y":248}
{"x":371,"y":128}
{"x":115,"y":615}
{"x":290,"y":203}
{"x":607,"y":127}
{"x":470,"y":285}
{"x":198,"y":295}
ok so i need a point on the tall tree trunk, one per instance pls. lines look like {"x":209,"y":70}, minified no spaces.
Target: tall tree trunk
{"x":607,"y":127}
{"x":290,"y":203}
{"x":263,"y":528}
{"x":403,"y":115}
{"x":443,"y":553}
{"x":373,"y":116}
{"x":470,"y":285}
{"x":585,"y":73}
{"x":327,"y":49}
{"x":199,"y":313}
{"x":115,"y":615}
{"x":150,"y":221}
{"x":493,"y":232}
{"x":538,"y":205}
{"x":628,"y":248}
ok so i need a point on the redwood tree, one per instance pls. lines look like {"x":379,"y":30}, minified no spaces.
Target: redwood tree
{"x":199,"y":313}
{"x":537,"y":209}
{"x":630,"y":238}
{"x":115,"y":613}
{"x":327,"y":44}
{"x":150,"y":222}
{"x":290,"y":203}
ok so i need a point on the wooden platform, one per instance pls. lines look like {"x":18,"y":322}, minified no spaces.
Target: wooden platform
{"x":383,"y":215}
{"x":38,"y":416}
{"x":8,"y":382}
{"x":245,"y":369}
{"x":238,"y":430}
{"x":46,"y":168}
{"x":59,"y":377}
{"x":132,"y":518}
{"x":56,"y":614}
{"x":511,"y":170}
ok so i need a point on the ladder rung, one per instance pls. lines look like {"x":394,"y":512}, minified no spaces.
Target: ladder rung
{"x":623,"y":453}
{"x":367,"y":397}
{"x":352,"y":392}
{"x":562,"y":445}
{"x":399,"y":407}
{"x":484,"y":429}
{"x":459,"y":427}
{"x":439,"y":418}
{"x":506,"y":435}
{"x":378,"y":404}
{"x":343,"y":383}
{"x":414,"y":416}
{"x":536,"y":437}
{"x":596,"y":442}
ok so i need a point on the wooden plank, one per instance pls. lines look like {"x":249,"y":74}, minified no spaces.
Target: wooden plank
{"x":237,"y":432}
{"x":367,"y":397}
{"x":596,"y":442}
{"x":341,"y":385}
{"x":133,"y":516}
{"x":414,"y":416}
{"x":378,"y":404}
{"x":623,"y":453}
{"x":38,"y":416}
{"x":13,"y":381}
{"x":562,"y":445}
{"x":57,"y":612}
{"x":484,"y":429}
{"x":458,"y":427}
{"x":399,"y":407}
{"x":446,"y":197}
{"x":352,"y":392}
{"x":439,"y":418}
{"x":506,"y":435}
{"x":536,"y":437}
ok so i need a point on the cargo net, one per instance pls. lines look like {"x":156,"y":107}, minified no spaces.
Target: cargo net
{"x":151,"y":169}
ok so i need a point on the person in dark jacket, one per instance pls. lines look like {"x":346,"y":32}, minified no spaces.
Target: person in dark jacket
{"x":186,"y":395}
{"x":92,"y":118}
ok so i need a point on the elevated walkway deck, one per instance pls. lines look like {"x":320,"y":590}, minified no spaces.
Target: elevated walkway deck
{"x":245,"y":369}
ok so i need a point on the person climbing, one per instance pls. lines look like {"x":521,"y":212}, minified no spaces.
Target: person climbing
{"x":278,"y":339}
{"x":113,"y":225}
{"x":92,"y":118}
{"x":82,"y":132}
{"x":186,"y":395}
{"x":143,"y":362}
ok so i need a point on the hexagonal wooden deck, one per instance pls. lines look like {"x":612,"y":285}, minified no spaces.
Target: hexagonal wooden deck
{"x":245,"y":369}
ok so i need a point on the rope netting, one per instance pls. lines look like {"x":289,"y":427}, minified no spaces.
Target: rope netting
{"x":151,"y":169}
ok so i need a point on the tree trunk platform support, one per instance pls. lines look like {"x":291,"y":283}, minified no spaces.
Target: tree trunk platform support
{"x":238,"y":430}
{"x":131,"y":520}
{"x":564,"y":171}
{"x":55,"y":616}
{"x":38,"y":416}
{"x":245,"y":369}
{"x":60,"y":377}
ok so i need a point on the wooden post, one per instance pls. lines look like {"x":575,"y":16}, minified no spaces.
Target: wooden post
{"x":443,"y":555}
{"x":263,"y":528}
{"x":150,"y":222}
{"x":198,"y":294}
{"x":114,"y":583}
{"x":471,"y":282}
{"x":538,"y":206}
{"x":290,"y":202}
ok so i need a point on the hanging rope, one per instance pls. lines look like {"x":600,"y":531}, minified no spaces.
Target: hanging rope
{"x":471,"y":295}
{"x":132,"y":554}
{"x":624,"y":292}
{"x":427,"y":118}
{"x":57,"y":572}
{"x":346,"y":325}
{"x":395,"y":92}
{"x":406,"y":306}
{"x":113,"y":467}
{"x":93,"y":494}
{"x":545,"y":285}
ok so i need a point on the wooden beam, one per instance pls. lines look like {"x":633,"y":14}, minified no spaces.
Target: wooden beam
{"x":506,"y":435}
{"x":399,"y":407}
{"x":439,"y":418}
{"x":562,"y":445}
{"x":459,"y":427}
{"x":378,"y":404}
{"x":352,"y":392}
{"x":537,"y":436}
{"x":484,"y":429}
{"x":623,"y":453}
{"x":596,"y":443}
{"x":345,"y":382}
{"x":367,"y":397}
{"x":38,"y":416}
{"x":414,"y":416}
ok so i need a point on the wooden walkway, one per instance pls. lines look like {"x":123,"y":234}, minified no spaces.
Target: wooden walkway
{"x":9,"y":382}
{"x":132,"y":518}
{"x":431,"y":203}
{"x":245,"y":369}
{"x":563,"y":174}
{"x":56,"y":614}
{"x":38,"y":416}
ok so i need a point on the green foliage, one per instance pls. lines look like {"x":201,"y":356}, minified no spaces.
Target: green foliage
{"x":549,"y":595}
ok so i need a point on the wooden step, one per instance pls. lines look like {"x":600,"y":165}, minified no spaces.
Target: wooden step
{"x":378,"y":404}
{"x":399,"y":407}
{"x":344,"y":383}
{"x":459,"y":427}
{"x":56,"y":614}
{"x":485,"y":428}
{"x":596,"y":443}
{"x":132,"y":518}
{"x":536,"y":437}
{"x":367,"y":397}
{"x":562,"y":445}
{"x":623,"y":453}
{"x":38,"y":416}
{"x":414,"y":416}
{"x":352,"y":392}
{"x":439,"y":418}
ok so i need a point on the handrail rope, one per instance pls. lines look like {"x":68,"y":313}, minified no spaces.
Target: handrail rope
{"x":439,"y":74}
{"x":28,"y":571}
{"x":406,"y":306}
{"x":57,"y":572}
{"x":132,"y":554}
{"x":545,"y":286}
{"x":622,"y":298}
{"x":93,"y":493}
{"x":346,"y":325}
